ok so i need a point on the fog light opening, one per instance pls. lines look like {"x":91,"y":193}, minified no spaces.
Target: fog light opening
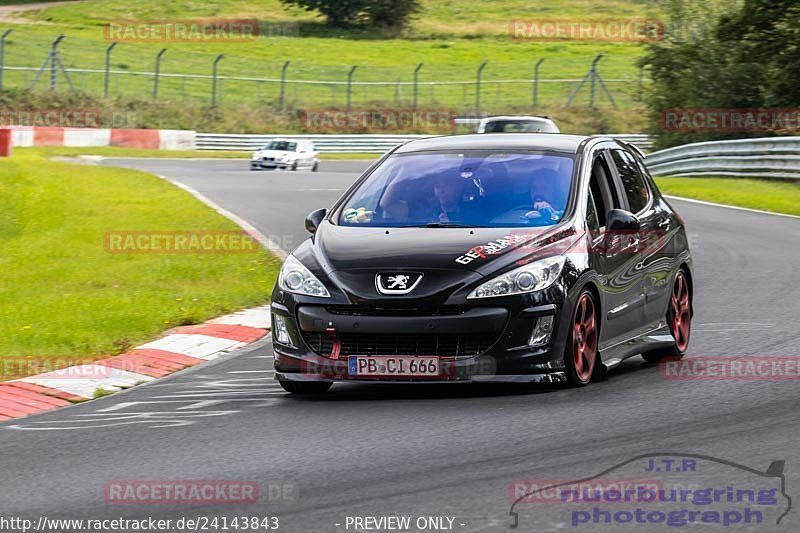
{"x":280,"y":331}
{"x":541,"y":331}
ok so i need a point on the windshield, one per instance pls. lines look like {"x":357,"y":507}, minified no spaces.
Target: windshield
{"x":480,"y":189}
{"x":285,"y":146}
{"x":519,"y":126}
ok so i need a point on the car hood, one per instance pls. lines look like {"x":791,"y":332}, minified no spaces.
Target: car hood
{"x":449,"y":259}
{"x":275,"y":153}
{"x":481,"y":250}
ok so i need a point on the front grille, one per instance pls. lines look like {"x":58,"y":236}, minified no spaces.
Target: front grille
{"x":354,"y":310}
{"x":455,"y":345}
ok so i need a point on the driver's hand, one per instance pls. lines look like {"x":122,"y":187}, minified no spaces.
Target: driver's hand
{"x":532,"y":214}
{"x":538,"y":206}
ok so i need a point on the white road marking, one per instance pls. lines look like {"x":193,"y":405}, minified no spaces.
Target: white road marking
{"x":86,"y":380}
{"x":712,"y":204}
{"x":265,"y":241}
{"x":200,"y":346}
{"x":257,"y":317}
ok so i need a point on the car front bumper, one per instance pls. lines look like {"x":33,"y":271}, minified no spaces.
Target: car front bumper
{"x":506,"y":359}
{"x":268,"y":165}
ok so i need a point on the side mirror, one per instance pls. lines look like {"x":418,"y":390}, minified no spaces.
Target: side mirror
{"x":314,"y":219}
{"x":621,"y":220}
{"x":622,"y":228}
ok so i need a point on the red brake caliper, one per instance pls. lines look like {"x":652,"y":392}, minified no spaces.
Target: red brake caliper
{"x":337,"y":344}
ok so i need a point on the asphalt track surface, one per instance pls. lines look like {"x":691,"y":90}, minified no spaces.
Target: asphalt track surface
{"x":451,"y":451}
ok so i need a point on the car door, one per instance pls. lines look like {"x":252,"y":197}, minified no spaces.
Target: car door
{"x":616,"y":255}
{"x":656,"y":256}
{"x":308,"y":156}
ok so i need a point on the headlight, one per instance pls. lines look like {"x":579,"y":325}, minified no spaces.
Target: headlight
{"x":297,"y":279}
{"x":256,"y":155}
{"x":534,"y":277}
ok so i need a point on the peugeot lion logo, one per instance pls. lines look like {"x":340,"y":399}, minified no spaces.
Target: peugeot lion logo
{"x":397,"y":282}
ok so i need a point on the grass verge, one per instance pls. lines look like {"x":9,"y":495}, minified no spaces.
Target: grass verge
{"x":66,"y":299}
{"x":777,"y":196}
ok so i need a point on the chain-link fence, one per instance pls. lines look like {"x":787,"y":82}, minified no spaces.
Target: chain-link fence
{"x":157,"y":72}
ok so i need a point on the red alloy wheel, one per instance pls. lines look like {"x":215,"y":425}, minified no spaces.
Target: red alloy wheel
{"x":584,"y":338}
{"x":680,"y":323}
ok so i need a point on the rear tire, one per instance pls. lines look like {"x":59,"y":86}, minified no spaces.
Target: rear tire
{"x":580,"y":353}
{"x":294,"y":165}
{"x":306,"y":387}
{"x":679,"y":319}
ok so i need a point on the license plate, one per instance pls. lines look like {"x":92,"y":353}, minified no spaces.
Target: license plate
{"x":386,"y":366}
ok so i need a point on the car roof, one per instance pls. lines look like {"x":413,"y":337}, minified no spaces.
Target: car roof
{"x":519,"y":117}
{"x":557,"y":142}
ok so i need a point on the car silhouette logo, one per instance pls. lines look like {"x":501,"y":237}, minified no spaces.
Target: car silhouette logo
{"x":397,"y":282}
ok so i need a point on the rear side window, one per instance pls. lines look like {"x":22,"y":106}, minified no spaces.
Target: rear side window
{"x":632,"y":181}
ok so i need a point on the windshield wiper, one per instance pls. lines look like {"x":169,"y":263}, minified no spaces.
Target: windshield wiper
{"x":448,"y":225}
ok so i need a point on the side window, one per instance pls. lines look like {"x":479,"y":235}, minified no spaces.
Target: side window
{"x":592,"y":222}
{"x":632,"y":181}
{"x":600,"y":186}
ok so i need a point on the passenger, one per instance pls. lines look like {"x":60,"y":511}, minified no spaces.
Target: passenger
{"x":549,"y":192}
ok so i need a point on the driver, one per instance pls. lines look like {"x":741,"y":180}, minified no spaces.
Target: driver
{"x":548,"y":195}
{"x":449,"y":192}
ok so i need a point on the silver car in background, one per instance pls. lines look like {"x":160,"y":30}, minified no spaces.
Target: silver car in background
{"x":290,"y":154}
{"x":517,"y":125}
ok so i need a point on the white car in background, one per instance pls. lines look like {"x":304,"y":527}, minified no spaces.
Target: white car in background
{"x":286,"y":154}
{"x":517,"y":125}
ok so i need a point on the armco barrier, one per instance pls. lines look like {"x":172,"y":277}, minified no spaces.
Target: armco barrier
{"x":323,"y":143}
{"x":342,"y":143}
{"x":773,"y":157}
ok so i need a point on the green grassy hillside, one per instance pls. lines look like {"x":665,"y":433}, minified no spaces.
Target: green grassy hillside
{"x":450,"y":37}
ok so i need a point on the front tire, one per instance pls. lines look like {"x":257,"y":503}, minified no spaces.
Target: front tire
{"x":294,"y":165}
{"x":315,"y":167}
{"x":580,"y":354}
{"x":679,"y":318}
{"x":306,"y":387}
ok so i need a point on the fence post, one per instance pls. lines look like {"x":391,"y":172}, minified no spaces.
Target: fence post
{"x":478,"y":88}
{"x":108,"y":68}
{"x":594,"y":79}
{"x":282,"y":96}
{"x":416,"y":85}
{"x":3,"y":56}
{"x":157,"y":72}
{"x":350,"y":86}
{"x":536,"y":82}
{"x":54,"y":63}
{"x":214,"y":80}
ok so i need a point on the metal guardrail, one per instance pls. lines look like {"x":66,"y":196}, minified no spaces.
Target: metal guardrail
{"x":323,"y":143}
{"x":341,"y":143}
{"x":774,"y":157}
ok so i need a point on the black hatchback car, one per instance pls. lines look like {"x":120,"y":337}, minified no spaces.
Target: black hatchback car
{"x":486,"y":258}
